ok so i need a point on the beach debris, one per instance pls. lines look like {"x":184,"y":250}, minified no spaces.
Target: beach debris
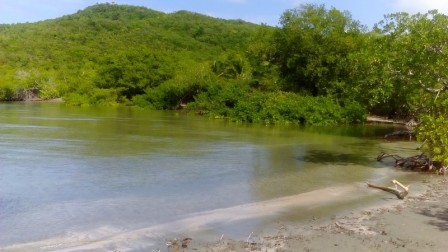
{"x":419,"y":163}
{"x":396,"y":191}
{"x":174,"y":245}
{"x":247,"y":240}
{"x":185,"y":242}
{"x":252,"y":245}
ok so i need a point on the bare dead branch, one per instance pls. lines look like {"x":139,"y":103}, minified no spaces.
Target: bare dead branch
{"x":397,"y":192}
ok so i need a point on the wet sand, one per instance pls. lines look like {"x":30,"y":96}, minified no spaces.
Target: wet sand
{"x":417,"y":223}
{"x":105,"y":238}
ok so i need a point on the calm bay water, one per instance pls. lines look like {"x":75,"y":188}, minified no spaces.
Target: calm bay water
{"x":71,"y":176}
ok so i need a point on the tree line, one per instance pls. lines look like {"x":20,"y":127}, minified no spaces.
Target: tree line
{"x":318,"y":67}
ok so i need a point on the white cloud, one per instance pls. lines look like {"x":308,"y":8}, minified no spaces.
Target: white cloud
{"x":423,"y":6}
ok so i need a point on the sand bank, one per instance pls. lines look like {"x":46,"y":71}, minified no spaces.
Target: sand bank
{"x":418,"y":223}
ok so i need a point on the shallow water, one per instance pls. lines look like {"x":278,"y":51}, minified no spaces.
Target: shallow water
{"x":98,"y":177}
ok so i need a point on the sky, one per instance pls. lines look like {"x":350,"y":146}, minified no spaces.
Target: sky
{"x":368,"y":12}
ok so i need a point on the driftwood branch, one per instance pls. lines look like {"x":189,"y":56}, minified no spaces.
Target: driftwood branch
{"x":396,"y":191}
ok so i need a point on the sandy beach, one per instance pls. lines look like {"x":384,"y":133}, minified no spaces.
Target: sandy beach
{"x":417,"y":223}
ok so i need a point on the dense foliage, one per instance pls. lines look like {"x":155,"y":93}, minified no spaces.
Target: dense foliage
{"x":108,"y":54}
{"x":318,"y":67}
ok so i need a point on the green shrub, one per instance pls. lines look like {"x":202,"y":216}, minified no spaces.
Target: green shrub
{"x":219,"y":99}
{"x":287,"y":108}
{"x":77,"y":99}
{"x":95,"y":97}
{"x":7,"y":93}
{"x":355,"y":113}
{"x":432,"y":132}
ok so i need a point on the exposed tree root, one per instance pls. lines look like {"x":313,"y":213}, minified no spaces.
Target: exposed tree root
{"x":419,"y":163}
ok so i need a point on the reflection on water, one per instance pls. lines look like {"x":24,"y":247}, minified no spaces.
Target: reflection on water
{"x":325,"y":157}
{"x":74,"y":170}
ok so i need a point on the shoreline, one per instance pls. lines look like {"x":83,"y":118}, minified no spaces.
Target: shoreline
{"x":417,"y":223}
{"x":383,"y":120}
{"x":197,"y":225}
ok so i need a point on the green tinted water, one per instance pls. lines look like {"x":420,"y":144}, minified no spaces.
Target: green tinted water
{"x":68,"y":172}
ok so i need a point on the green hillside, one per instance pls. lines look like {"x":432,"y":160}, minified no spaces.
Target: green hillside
{"x":110,"y":53}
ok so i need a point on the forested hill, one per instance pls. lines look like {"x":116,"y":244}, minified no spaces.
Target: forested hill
{"x":113,"y":48}
{"x":318,"y":67}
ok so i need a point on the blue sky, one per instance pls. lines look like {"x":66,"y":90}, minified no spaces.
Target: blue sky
{"x":367,"y":12}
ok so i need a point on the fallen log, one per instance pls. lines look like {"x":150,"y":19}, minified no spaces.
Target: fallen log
{"x":399,"y":193}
